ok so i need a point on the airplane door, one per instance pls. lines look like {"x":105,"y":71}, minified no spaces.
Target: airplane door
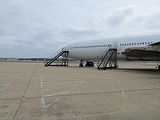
{"x":114,"y":44}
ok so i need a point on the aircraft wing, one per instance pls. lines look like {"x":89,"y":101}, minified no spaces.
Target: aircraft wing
{"x":155,"y":44}
{"x":152,"y":50}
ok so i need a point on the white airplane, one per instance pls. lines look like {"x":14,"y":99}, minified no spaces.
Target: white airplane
{"x":140,"y":47}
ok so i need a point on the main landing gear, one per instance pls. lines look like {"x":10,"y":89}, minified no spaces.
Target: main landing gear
{"x":88,"y":64}
{"x":159,"y":67}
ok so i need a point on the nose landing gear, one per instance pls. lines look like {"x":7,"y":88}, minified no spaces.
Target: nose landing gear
{"x":81,"y":63}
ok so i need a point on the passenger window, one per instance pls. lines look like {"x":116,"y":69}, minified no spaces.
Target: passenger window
{"x":109,"y":45}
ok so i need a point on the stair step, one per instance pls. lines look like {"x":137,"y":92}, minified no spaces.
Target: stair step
{"x":110,"y":58}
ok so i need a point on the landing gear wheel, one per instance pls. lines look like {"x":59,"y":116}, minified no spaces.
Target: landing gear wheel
{"x":89,"y":64}
{"x":158,"y":67}
{"x":81,"y":63}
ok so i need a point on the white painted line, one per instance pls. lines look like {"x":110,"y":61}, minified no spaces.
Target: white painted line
{"x":59,"y":93}
{"x":42,"y":98}
{"x":123,"y":93}
{"x":66,"y":92}
{"x":43,"y":102}
{"x":5,"y":86}
{"x":92,"y":115}
{"x":62,"y":83}
{"x":57,"y":99}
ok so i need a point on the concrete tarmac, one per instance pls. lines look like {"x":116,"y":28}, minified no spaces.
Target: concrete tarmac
{"x":30,"y":91}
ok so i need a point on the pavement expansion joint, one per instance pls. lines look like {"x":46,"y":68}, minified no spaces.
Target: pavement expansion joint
{"x":24,"y":93}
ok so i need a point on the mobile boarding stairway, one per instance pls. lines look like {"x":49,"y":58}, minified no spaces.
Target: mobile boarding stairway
{"x":109,"y":60}
{"x":57,"y":60}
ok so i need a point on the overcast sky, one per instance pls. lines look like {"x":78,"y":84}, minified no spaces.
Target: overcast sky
{"x":38,"y":28}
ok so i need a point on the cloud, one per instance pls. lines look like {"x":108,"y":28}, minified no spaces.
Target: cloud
{"x":36,"y":28}
{"x":120,"y":16}
{"x":75,"y":34}
{"x":151,"y":21}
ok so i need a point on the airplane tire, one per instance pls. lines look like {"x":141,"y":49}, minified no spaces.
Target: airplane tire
{"x":80,"y":65}
{"x":89,"y":64}
{"x":158,"y":67}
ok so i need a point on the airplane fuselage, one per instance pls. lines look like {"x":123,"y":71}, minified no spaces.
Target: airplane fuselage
{"x":95,"y":50}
